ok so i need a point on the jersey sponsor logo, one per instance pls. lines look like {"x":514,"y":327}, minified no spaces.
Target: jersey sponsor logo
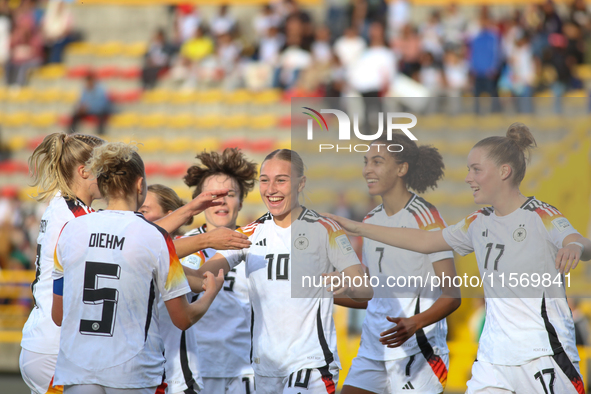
{"x":520,"y":233}
{"x":301,"y":242}
{"x":561,"y":224}
{"x":408,"y":386}
{"x":344,"y":244}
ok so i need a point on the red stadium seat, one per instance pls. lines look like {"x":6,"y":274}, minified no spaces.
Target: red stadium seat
{"x":264,"y":145}
{"x":239,"y":143}
{"x":107,"y":72}
{"x":78,"y":72}
{"x":130,"y":73}
{"x":153,"y":169}
{"x":175,"y":170}
{"x":130,"y":96}
{"x":35,"y":142}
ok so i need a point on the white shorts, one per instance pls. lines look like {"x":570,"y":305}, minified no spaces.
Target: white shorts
{"x":96,"y":389}
{"x":37,"y":371}
{"x":413,"y":373}
{"x":243,"y":384}
{"x":310,"y":381}
{"x":545,"y":375}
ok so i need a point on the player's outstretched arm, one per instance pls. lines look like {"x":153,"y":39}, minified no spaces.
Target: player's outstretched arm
{"x":57,"y":309}
{"x":574,"y":248}
{"x":183,"y":314}
{"x":448,"y":302}
{"x":420,"y":241}
{"x":221,"y":238}
{"x":342,"y":289}
{"x":213,"y":265}
{"x":176,"y":219}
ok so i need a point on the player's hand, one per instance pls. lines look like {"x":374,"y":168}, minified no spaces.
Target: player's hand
{"x":223,"y":238}
{"x":400,"y":333}
{"x":350,"y":226}
{"x":206,"y":200}
{"x":213,"y":283}
{"x":336,"y":285}
{"x":568,"y":257}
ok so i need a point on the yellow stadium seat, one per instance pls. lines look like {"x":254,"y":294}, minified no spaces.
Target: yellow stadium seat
{"x":284,"y":144}
{"x":321,"y":196}
{"x":461,"y":148}
{"x":52,"y":71}
{"x":17,"y":119}
{"x":183,"y":192}
{"x":17,"y":142}
{"x":45,"y":119}
{"x":584,"y":71}
{"x":467,"y":121}
{"x":208,"y":144}
{"x":356,"y":196}
{"x":70,"y":96}
{"x":208,"y":121}
{"x":150,"y":145}
{"x":178,"y":145}
{"x":455,"y":174}
{"x":253,"y":198}
{"x":27,"y":193}
{"x":135,"y":49}
{"x":211,"y":96}
{"x":183,"y":97}
{"x":24,"y":95}
{"x":152,"y":121}
{"x":235,"y":121}
{"x":80,"y":48}
{"x":3,"y":93}
{"x":48,"y":96}
{"x":109,"y":49}
{"x":181,"y":121}
{"x":266,"y":97}
{"x":240,"y":96}
{"x":124,"y":120}
{"x":320,"y":171}
{"x":432,"y":122}
{"x":262,"y":122}
{"x":348,"y":173}
{"x":156,"y":96}
{"x":576,"y":93}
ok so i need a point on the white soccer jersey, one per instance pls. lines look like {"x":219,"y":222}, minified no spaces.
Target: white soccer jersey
{"x":40,"y":334}
{"x":524,"y":242}
{"x":385,"y":261}
{"x":289,"y":334}
{"x":114,"y":266}
{"x":223,"y":333}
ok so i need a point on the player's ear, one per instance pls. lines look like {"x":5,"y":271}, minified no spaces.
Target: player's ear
{"x":505,"y":171}
{"x":402,"y":169}
{"x":302,"y":184}
{"x":140,"y":185}
{"x":82,"y":172}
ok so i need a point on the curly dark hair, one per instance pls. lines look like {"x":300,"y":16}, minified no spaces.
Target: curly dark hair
{"x":231,"y":162}
{"x":425,"y":164}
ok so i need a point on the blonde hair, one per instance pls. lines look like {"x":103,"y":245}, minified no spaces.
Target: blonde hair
{"x":116,"y":167}
{"x":168,"y":199}
{"x":53,"y":163}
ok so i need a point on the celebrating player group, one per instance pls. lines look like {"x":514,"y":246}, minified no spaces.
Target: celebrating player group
{"x":124,"y":303}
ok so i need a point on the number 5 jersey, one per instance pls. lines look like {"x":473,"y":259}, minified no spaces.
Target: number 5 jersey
{"x":114,"y":266}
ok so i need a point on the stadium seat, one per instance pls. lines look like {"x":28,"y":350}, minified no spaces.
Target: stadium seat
{"x":48,"y":95}
{"x":70,"y":96}
{"x":152,"y":121}
{"x":181,"y":121}
{"x":263,"y":145}
{"x":239,"y":143}
{"x":235,"y":121}
{"x":266,"y":97}
{"x":237,"y":97}
{"x":183,"y":97}
{"x":178,"y":145}
{"x":212,"y":96}
{"x":156,"y":96}
{"x":16,"y":119}
{"x":175,"y":170}
{"x":455,"y":174}
{"x":106,"y":72}
{"x":80,"y":48}
{"x":51,"y":72}
{"x":22,"y":96}
{"x":34,"y":142}
{"x":132,"y":73}
{"x":44,"y":119}
{"x":17,"y":142}
{"x":109,"y":49}
{"x":135,"y":49}
{"x":262,"y":121}
{"x":150,"y":145}
{"x":126,"y":97}
{"x":283,"y":144}
{"x":208,"y":144}
{"x":124,"y":120}
{"x":208,"y":121}
{"x":152,"y":169}
{"x":3,"y":93}
{"x":78,"y":71}
{"x":183,"y":192}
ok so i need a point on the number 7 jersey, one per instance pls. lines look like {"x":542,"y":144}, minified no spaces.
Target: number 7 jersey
{"x":114,"y":266}
{"x":522,"y":323}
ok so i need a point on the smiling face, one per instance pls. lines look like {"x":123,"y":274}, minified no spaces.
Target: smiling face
{"x":381,"y":171}
{"x":279,"y":190}
{"x":223,"y":215}
{"x":484,"y":177}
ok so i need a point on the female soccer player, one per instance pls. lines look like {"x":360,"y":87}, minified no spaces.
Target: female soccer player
{"x":417,"y":358}
{"x":161,"y":201}
{"x":109,"y":268}
{"x":223,"y":335}
{"x":528,"y":341}
{"x":57,"y":166}
{"x":221,"y":339}
{"x":293,"y":335}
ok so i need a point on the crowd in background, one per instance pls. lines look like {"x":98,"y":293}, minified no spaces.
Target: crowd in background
{"x":371,"y":47}
{"x":34,"y":33}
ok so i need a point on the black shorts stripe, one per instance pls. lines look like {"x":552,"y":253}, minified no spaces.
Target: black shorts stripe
{"x":150,"y":308}
{"x":328,"y":356}
{"x":187,"y":373}
{"x":251,"y":331}
{"x":559,"y":355}
{"x":422,"y":341}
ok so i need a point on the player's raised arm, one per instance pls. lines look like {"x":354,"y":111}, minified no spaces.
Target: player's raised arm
{"x":420,"y":241}
{"x":178,"y":218}
{"x":574,"y":248}
{"x":221,"y":238}
{"x":183,"y":314}
{"x":197,"y":278}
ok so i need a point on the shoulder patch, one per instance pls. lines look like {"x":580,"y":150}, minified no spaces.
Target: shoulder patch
{"x":551,"y":217}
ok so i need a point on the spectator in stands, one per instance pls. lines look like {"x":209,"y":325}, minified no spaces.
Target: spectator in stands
{"x":266,"y":19}
{"x":26,"y":54}
{"x":398,"y":16}
{"x":227,"y":57}
{"x":5,"y":25}
{"x":432,"y":36}
{"x":551,"y":23}
{"x":223,"y":22}
{"x":407,"y":48}
{"x":366,"y":12}
{"x":456,"y":75}
{"x":522,"y":67}
{"x":57,"y":28}
{"x":560,"y":66}
{"x":454,"y":25}
{"x":337,"y":19}
{"x":94,"y":101}
{"x":186,"y":23}
{"x":156,"y":60}
{"x":430,"y":75}
{"x":485,"y":63}
{"x":192,"y":53}
{"x":270,"y":46}
{"x":349,"y":47}
{"x":321,"y":49}
{"x":579,"y":14}
{"x":295,"y":55}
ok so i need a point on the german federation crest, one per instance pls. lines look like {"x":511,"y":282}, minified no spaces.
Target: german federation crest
{"x":519,"y":234}
{"x":301,"y":243}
